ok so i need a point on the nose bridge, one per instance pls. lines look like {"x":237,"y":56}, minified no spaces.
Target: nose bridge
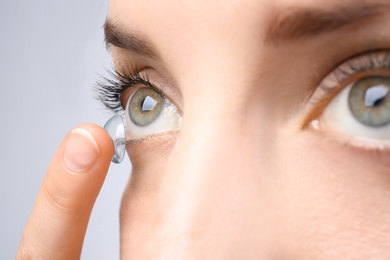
{"x":214,"y":143}
{"x":209,"y":185}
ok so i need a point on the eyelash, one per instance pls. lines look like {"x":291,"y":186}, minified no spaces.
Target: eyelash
{"x":110,"y":89}
{"x":355,"y":66}
{"x":346,"y":73}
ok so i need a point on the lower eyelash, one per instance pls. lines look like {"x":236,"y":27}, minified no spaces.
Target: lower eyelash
{"x":110,"y":89}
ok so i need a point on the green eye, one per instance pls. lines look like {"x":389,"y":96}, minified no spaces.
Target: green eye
{"x":369,"y":101}
{"x":147,"y":113}
{"x":145,"y":106}
{"x":360,"y":112}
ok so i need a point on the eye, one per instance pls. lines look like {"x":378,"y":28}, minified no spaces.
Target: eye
{"x":368,"y":101}
{"x":147,"y":113}
{"x":362,"y":108}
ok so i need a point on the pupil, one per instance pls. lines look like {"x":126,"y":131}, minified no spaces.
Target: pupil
{"x":375,"y":96}
{"x":378,"y":102}
{"x":148,"y":104}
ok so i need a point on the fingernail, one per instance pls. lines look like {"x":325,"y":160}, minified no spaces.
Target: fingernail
{"x":81,"y":151}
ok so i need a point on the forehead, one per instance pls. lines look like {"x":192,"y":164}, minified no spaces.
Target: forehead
{"x":194,"y":20}
{"x":219,"y":32}
{"x":206,"y":10}
{"x":184,"y":17}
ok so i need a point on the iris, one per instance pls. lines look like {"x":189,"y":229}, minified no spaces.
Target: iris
{"x":145,"y":106}
{"x":369,"y":101}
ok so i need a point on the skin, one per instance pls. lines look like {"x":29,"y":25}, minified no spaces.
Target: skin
{"x":244,"y":177}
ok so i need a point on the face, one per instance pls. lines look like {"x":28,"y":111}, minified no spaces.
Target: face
{"x":256,"y":129}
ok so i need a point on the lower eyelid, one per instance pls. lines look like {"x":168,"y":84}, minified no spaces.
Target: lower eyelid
{"x":153,"y":139}
{"x":361,"y":151}
{"x":361,"y":143}
{"x":150,"y":148}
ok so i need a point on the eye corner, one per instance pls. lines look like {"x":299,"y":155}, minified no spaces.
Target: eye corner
{"x":354,"y":100}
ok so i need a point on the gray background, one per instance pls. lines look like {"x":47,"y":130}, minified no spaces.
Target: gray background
{"x":51,"y":52}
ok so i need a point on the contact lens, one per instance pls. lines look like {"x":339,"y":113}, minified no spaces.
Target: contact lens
{"x":115,"y":127}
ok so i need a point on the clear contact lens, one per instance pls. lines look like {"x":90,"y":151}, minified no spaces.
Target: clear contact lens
{"x":115,"y":127}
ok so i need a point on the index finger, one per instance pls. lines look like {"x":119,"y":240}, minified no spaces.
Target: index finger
{"x":59,"y":220}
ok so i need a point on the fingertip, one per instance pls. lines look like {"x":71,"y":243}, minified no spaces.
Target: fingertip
{"x":101,"y":137}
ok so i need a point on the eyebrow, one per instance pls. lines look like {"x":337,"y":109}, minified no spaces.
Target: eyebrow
{"x":116,"y":35}
{"x":286,"y":25}
{"x":299,"y":23}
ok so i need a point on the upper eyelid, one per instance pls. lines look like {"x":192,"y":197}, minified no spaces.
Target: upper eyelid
{"x":135,"y":77}
{"x":357,"y":65}
{"x":110,"y":89}
{"x":342,"y":76}
{"x":349,"y":71}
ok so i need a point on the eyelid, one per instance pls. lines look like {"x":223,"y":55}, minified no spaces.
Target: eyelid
{"x":148,"y":77}
{"x":352,"y":70}
{"x":358,"y":65}
{"x":132,"y":77}
{"x":131,"y":89}
{"x":151,"y":138}
{"x":113,"y":91}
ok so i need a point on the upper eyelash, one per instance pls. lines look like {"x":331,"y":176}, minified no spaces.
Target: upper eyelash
{"x":356,"y":66}
{"x":341,"y":77}
{"x":110,"y":90}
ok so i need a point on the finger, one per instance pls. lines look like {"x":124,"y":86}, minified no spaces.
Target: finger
{"x":57,"y":226}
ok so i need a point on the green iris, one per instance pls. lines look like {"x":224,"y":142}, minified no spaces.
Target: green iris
{"x":369,"y":101}
{"x":145,"y":106}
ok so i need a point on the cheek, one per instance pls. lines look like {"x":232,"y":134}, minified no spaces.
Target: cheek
{"x":310,"y":197}
{"x":148,"y":159}
{"x":334,"y":202}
